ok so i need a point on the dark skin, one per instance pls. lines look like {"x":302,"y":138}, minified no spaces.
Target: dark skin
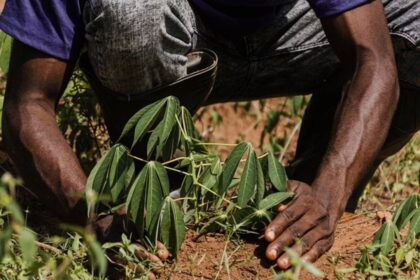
{"x":360,"y":38}
{"x":361,"y":123}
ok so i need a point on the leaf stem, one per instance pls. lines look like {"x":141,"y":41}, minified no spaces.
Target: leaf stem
{"x":216,"y":194}
{"x":166,"y":167}
{"x":174,"y":160}
{"x":216,"y":144}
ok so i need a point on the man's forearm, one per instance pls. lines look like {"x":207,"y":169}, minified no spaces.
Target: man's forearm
{"x":43,"y":158}
{"x":361,"y":126}
{"x":36,"y":146}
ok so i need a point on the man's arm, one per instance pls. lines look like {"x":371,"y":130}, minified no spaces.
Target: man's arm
{"x":361,"y":39}
{"x":35,"y":144}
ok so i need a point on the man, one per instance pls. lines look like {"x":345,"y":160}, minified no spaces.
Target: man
{"x":365,"y":103}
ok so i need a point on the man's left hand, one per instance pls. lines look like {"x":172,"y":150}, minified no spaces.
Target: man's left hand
{"x":308,"y":218}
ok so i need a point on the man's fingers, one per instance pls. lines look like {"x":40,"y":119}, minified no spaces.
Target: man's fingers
{"x":162,"y":252}
{"x":282,"y":207}
{"x":293,"y":232}
{"x":282,"y":221}
{"x":318,"y":249}
{"x":277,"y":246}
{"x":308,"y":254}
{"x":293,"y":186}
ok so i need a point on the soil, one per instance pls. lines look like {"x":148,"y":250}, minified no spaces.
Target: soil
{"x":203,"y":259}
{"x":239,"y":124}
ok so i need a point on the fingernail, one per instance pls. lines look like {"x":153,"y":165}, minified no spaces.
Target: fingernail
{"x":273,"y":254}
{"x":270,"y":235}
{"x":283,"y":263}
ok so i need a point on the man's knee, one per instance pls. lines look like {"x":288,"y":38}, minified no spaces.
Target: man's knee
{"x":135,"y":45}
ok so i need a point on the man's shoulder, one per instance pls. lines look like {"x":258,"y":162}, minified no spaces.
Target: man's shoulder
{"x":53,"y":27}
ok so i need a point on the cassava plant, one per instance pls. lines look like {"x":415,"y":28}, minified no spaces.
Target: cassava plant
{"x":211,"y":197}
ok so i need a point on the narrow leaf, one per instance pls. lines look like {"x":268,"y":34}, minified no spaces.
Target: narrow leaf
{"x":136,"y":201}
{"x":163,"y":178}
{"x":387,"y":239}
{"x":118,"y":171}
{"x":172,"y":227}
{"x":135,"y":119}
{"x":154,"y":197}
{"x":276,"y":173}
{"x":97,"y":256}
{"x":153,"y":141}
{"x":186,"y":186}
{"x":231,"y":164}
{"x":5,"y":236}
{"x":248,"y":180}
{"x":274,"y":199}
{"x":405,"y":208}
{"x":146,"y":122}
{"x":260,"y":183}
{"x":168,"y":149}
{"x":27,"y":244}
{"x":169,"y":120}
{"x":414,"y":226}
{"x":99,"y":175}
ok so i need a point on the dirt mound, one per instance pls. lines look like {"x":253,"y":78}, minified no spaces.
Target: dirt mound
{"x":205,"y":258}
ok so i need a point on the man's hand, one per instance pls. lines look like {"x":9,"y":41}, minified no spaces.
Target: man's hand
{"x":361,"y":40}
{"x":308,"y":218}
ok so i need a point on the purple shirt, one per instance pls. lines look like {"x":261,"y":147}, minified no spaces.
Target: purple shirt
{"x":56,"y":27}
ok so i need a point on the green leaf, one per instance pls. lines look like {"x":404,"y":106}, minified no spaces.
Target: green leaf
{"x":154,"y":194}
{"x":309,"y":267}
{"x":378,"y":273}
{"x":163,"y":178}
{"x":414,"y":226}
{"x":188,"y":123}
{"x":27,"y":244}
{"x":147,"y":120}
{"x":15,"y":211}
{"x":5,"y":236}
{"x":172,"y":227}
{"x":99,"y":174}
{"x":132,"y":122}
{"x":231,"y":164}
{"x":153,"y":141}
{"x":130,"y":176}
{"x":210,"y":176}
{"x":187,"y":185}
{"x":260,"y":183}
{"x":248,"y":180}
{"x":410,"y":256}
{"x":387,"y":238}
{"x":274,"y":199}
{"x":168,"y":150}
{"x":136,"y":200}
{"x":406,"y":207}
{"x":276,"y":173}
{"x":168,"y":122}
{"x":97,"y":255}
{"x":118,"y":171}
{"x":5,"y":51}
{"x":399,"y":255}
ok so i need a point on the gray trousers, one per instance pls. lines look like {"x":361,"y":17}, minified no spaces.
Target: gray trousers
{"x":137,"y":45}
